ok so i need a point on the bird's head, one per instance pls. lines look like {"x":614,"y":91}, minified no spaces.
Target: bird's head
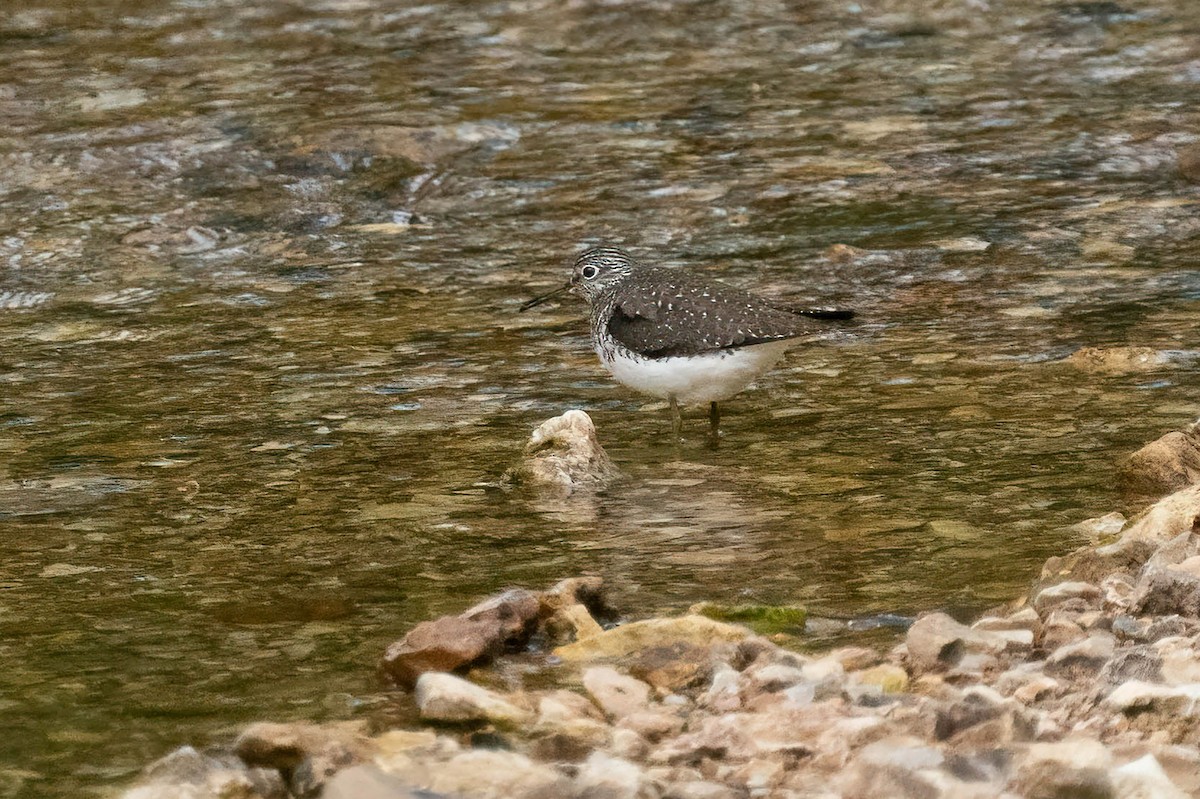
{"x":599,"y":270}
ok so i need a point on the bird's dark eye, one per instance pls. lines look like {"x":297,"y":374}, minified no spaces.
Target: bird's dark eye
{"x":589,"y":272}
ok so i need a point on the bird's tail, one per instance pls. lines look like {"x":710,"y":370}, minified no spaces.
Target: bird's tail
{"x":825,"y":313}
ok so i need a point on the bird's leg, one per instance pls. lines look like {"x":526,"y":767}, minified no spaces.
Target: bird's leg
{"x":676,"y":419}
{"x":714,"y":420}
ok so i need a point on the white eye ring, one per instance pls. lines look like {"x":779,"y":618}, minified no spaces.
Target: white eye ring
{"x":589,"y":272}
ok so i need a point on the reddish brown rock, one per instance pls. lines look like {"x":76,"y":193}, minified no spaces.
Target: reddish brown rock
{"x":453,"y":642}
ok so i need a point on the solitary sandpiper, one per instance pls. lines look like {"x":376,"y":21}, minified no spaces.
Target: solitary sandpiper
{"x":671,"y":335}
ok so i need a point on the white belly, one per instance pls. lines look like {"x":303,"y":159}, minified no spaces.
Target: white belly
{"x":703,"y":378}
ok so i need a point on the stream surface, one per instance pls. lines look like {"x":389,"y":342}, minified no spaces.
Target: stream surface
{"x":261,"y":368}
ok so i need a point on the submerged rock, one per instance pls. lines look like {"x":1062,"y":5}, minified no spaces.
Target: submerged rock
{"x":1116,"y":360}
{"x":564,"y":454}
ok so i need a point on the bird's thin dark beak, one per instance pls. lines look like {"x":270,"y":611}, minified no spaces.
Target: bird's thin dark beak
{"x":539,"y":300}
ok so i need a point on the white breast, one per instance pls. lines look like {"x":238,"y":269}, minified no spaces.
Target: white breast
{"x":711,"y":377}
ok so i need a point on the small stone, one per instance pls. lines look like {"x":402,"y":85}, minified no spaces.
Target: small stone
{"x":1050,"y":597}
{"x":605,"y":777}
{"x":700,"y":789}
{"x":307,"y":753}
{"x":368,"y":782}
{"x":629,"y":745}
{"x":855,"y":658}
{"x":445,"y":697}
{"x":564,"y":707}
{"x":1179,"y":659}
{"x":1076,"y":767}
{"x":652,"y":725}
{"x":1165,"y":592}
{"x":673,"y":666}
{"x":1060,"y":631}
{"x":1131,"y":663}
{"x":1135,"y":696}
{"x":1144,"y":777}
{"x":618,"y":695}
{"x":1117,"y":592}
{"x":483,"y":774}
{"x":1081,"y":658}
{"x":724,"y":690}
{"x":938,"y":641}
{"x":1036,"y":688}
{"x":1101,"y":526}
{"x":773,"y":677}
{"x":890,"y":679}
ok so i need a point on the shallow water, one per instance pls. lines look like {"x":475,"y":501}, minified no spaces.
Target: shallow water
{"x":262,"y":369}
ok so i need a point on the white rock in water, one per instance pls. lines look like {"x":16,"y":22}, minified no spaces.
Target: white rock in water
{"x":564,"y":453}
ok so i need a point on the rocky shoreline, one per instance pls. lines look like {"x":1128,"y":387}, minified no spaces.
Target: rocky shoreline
{"x":1087,"y":687}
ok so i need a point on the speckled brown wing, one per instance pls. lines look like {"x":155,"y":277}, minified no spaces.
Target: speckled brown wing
{"x":659,"y":314}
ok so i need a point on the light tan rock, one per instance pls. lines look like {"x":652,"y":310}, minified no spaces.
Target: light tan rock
{"x":1077,"y":766}
{"x":1135,"y":695}
{"x":724,"y":690}
{"x":618,"y":695}
{"x":1167,"y":518}
{"x":938,"y":641}
{"x":445,"y":697}
{"x":1180,"y":659}
{"x":480,"y":774}
{"x":603,"y":776}
{"x":1144,"y":778}
{"x":367,"y":781}
{"x":1083,"y":657}
{"x":653,"y":725}
{"x":1052,"y":596}
{"x":855,"y":658}
{"x":630,"y":638}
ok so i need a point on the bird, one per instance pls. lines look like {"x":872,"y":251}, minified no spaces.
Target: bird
{"x":672,"y":335}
